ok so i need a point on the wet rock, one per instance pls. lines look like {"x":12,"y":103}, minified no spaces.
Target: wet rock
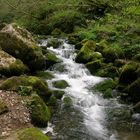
{"x":62,"y":84}
{"x":54,"y":42}
{"x":86,"y":52}
{"x":21,"y":45}
{"x":44,"y":75}
{"x":10,"y":65}
{"x":136,"y":107}
{"x":94,"y":66}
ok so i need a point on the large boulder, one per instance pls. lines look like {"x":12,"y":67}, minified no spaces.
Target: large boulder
{"x":19,"y":43}
{"x":10,"y":65}
{"x":86,"y":52}
{"x":27,"y":134}
{"x":39,"y":112}
{"x":21,"y":83}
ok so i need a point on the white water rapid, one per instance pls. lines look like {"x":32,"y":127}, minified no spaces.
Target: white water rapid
{"x":90,"y":104}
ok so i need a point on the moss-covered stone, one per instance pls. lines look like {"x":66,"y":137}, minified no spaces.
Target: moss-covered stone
{"x":21,"y":45}
{"x":112,"y":53}
{"x":27,"y":134}
{"x":3,"y":107}
{"x":133,"y":91}
{"x":128,"y":74}
{"x":31,"y":134}
{"x":62,"y":84}
{"x":14,"y":83}
{"x":67,"y":101}
{"x":54,"y":42}
{"x":96,"y":55}
{"x":120,"y":62}
{"x":44,"y":75}
{"x":10,"y":66}
{"x":86,"y":52}
{"x":94,"y":66}
{"x":58,"y":93}
{"x":39,"y":112}
{"x":51,"y":59}
{"x":106,"y":87}
{"x":103,"y":44}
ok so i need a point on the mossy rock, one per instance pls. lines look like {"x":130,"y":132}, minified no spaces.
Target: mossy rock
{"x":94,"y":66}
{"x":27,"y":134}
{"x":21,"y":45}
{"x":133,"y":91}
{"x":62,"y":84}
{"x":129,"y":73}
{"x":112,"y":53}
{"x":86,"y":52}
{"x":11,"y":66}
{"x":67,"y":101}
{"x":58,"y":93}
{"x":44,"y":75}
{"x":120,"y":62}
{"x":136,"y":107}
{"x":97,"y":55}
{"x":56,"y":32}
{"x":3,"y":107}
{"x":106,"y":87}
{"x":51,"y":59}
{"x":136,"y":57}
{"x":53,"y":42}
{"x":14,"y":83}
{"x":103,"y":44}
{"x":39,"y":112}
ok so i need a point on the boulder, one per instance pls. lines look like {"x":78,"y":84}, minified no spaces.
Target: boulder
{"x":11,"y":66}
{"x":27,"y":134}
{"x":62,"y":84}
{"x":129,"y":73}
{"x":39,"y":112}
{"x":19,"y":43}
{"x":86,"y":52}
{"x":54,"y":42}
{"x":94,"y":66}
{"x":31,"y":82}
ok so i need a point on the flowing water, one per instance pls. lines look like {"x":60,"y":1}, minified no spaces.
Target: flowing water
{"x":86,"y":118}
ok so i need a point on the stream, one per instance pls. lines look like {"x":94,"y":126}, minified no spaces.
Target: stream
{"x":85,"y":117}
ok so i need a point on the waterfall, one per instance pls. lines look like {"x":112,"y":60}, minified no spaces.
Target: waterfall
{"x":89,"y":103}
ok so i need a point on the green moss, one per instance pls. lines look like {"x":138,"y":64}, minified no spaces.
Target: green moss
{"x":94,"y":66}
{"x":62,"y":84}
{"x":54,"y":42}
{"x":67,"y":101}
{"x":51,"y":59}
{"x":112,"y":53}
{"x":44,"y":75}
{"x":14,"y":83}
{"x":86,"y":52}
{"x":21,"y":45}
{"x":96,"y":55}
{"x":31,"y":134}
{"x":58,"y":93}
{"x":3,"y":107}
{"x":128,"y":74}
{"x":39,"y":112}
{"x":133,"y":91}
{"x":106,"y":87}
